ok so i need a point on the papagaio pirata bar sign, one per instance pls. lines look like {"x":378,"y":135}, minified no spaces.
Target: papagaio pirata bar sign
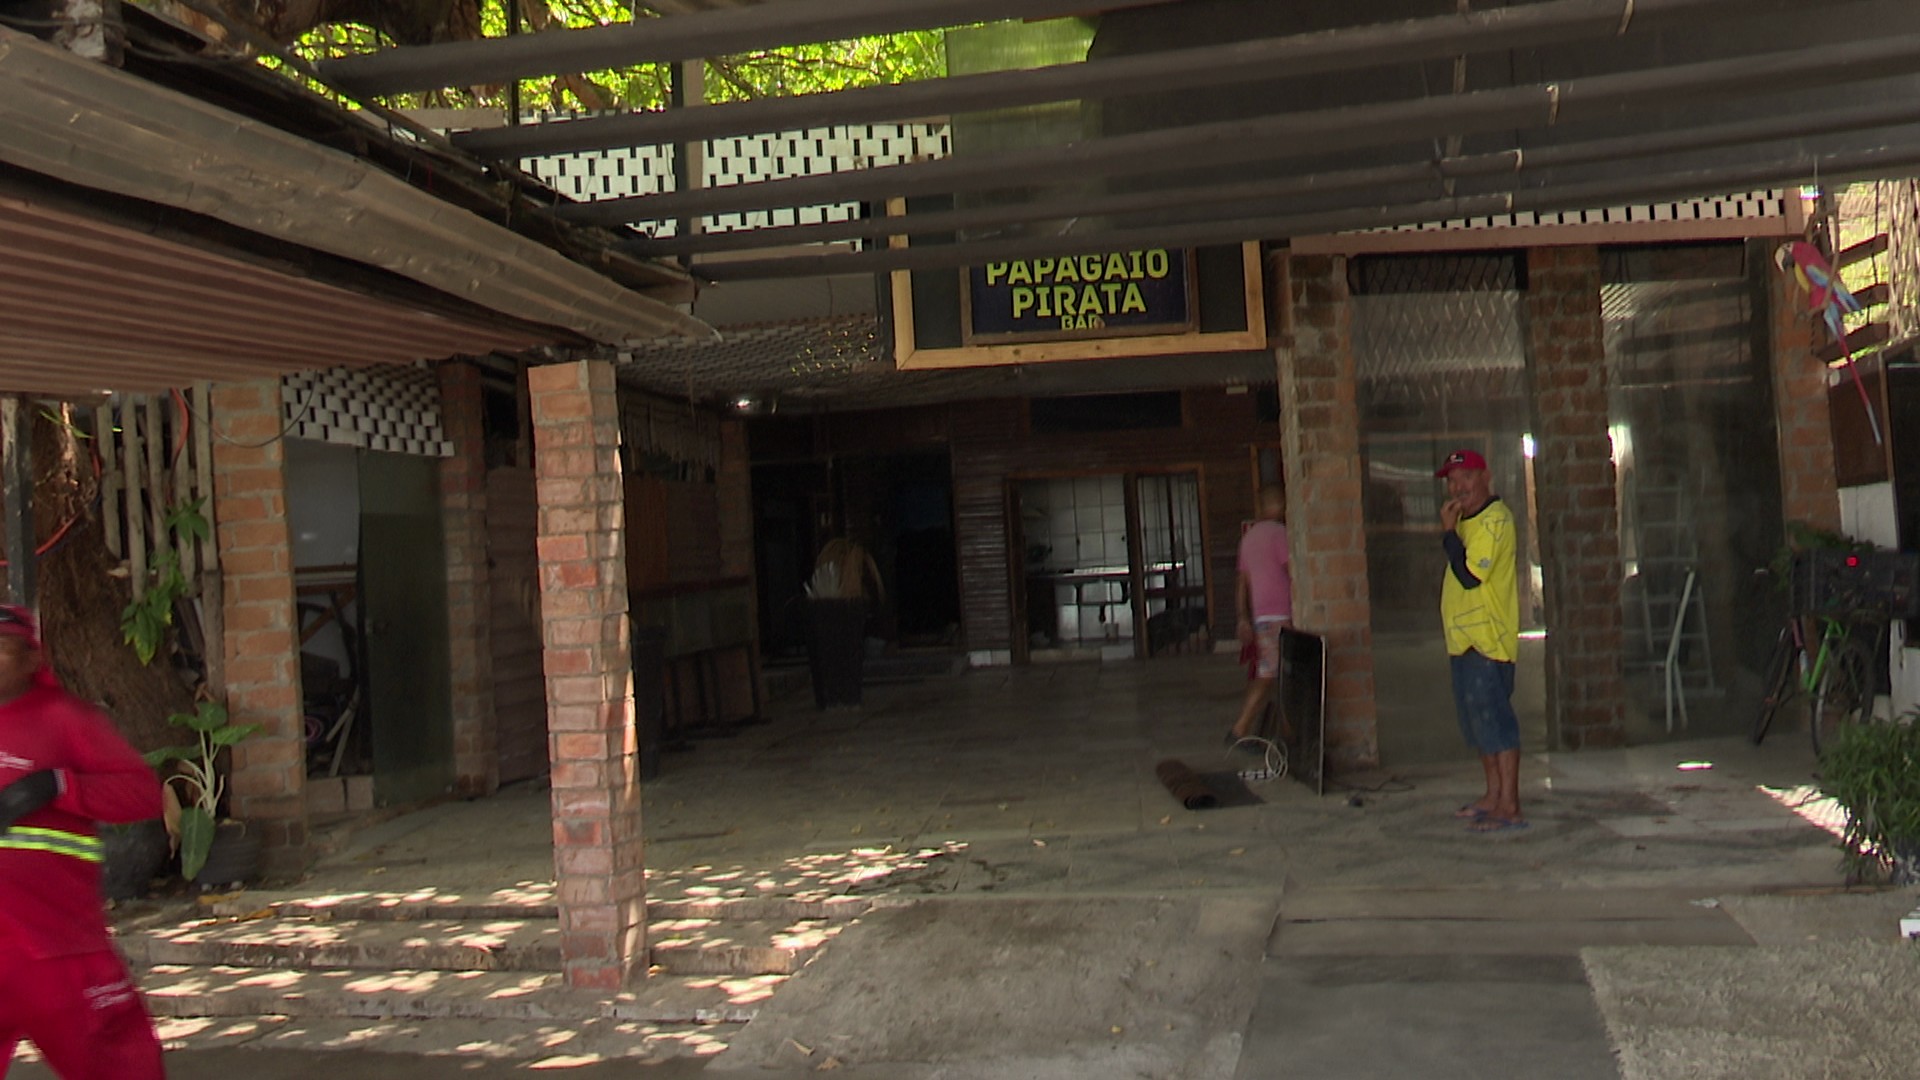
{"x":1118,"y":294}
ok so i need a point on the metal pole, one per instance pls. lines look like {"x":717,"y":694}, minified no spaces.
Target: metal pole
{"x":1298,"y":135}
{"x":16,"y":492}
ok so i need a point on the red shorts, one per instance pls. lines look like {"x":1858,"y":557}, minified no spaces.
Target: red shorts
{"x":83,"y":1012}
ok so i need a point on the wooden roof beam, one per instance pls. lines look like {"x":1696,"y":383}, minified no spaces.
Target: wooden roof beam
{"x":1839,"y":165}
{"x":1322,"y":52}
{"x":1895,"y":112}
{"x":1296,"y":135}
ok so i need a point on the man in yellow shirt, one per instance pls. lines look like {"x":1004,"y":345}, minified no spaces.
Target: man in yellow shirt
{"x":1480,"y":611}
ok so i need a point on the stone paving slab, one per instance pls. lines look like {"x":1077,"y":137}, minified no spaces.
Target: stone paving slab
{"x":1435,"y":1017}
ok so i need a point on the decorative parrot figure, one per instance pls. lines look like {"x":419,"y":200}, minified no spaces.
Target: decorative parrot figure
{"x":1827,"y":297}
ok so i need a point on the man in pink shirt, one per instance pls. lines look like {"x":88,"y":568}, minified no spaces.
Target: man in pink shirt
{"x":1265,"y":602}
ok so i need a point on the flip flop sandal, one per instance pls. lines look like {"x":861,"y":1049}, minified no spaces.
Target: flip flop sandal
{"x":1487,"y":826}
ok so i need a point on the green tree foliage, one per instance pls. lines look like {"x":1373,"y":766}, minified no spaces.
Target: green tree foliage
{"x":804,"y":69}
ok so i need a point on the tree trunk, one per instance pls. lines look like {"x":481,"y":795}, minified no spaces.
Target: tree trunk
{"x":82,"y":591}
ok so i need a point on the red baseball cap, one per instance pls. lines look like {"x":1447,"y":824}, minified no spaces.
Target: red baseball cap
{"x":1462,"y":459}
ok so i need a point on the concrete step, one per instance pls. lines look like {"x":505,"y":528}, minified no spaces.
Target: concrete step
{"x":391,"y":907}
{"x":191,"y":990}
{"x":756,"y":947}
{"x":498,"y":1043}
{"x":679,"y":946}
{"x":421,"y":945}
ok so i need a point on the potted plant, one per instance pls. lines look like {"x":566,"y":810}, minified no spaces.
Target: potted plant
{"x":218,"y":852}
{"x":1873,"y":772}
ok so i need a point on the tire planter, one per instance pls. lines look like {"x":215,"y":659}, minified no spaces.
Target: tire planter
{"x":134,"y":855}
{"x":234,"y":857}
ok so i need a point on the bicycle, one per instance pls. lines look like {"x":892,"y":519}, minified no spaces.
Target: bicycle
{"x":1837,"y":676}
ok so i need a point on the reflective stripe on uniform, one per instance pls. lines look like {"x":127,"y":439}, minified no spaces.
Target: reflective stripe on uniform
{"x":27,"y":838}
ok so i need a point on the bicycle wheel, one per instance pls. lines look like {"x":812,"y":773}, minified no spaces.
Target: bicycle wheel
{"x":1845,"y":694}
{"x":1779,"y":682}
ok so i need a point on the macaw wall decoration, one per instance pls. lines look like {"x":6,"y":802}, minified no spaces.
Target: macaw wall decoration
{"x":1828,"y":298}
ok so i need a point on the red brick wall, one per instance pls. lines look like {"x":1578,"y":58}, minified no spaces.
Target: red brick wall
{"x":262,"y":646}
{"x":1575,"y":495}
{"x":463,"y":508}
{"x":1320,"y":426}
{"x":591,"y":739}
{"x":1807,"y":488}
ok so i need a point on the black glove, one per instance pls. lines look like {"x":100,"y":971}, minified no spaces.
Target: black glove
{"x":25,"y":795}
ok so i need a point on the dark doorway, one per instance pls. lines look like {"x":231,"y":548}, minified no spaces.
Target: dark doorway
{"x":915,"y":549}
{"x":403,"y":603}
{"x":791,"y":516}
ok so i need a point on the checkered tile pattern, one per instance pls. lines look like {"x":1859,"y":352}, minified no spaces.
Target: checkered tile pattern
{"x":648,"y":170}
{"x":387,"y":407}
{"x":1756,"y":206}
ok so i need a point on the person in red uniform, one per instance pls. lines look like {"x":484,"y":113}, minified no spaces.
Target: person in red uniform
{"x":63,"y":767}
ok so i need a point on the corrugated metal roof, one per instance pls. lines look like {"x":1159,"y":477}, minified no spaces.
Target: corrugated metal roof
{"x":845,"y":362}
{"x":88,"y":306}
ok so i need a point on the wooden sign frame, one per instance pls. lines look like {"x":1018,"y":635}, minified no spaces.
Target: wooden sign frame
{"x":909,"y":356}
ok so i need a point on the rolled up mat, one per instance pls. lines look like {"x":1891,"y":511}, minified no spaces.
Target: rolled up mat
{"x":1186,"y":785}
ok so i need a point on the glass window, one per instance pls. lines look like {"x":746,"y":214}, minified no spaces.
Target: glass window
{"x":1440,"y":357}
{"x":1691,"y":415}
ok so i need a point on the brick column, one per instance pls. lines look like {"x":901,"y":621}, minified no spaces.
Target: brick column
{"x":1320,"y":423}
{"x":261,"y":650}
{"x":1808,"y":492}
{"x":591,"y":738}
{"x":463,"y":508}
{"x":1575,"y":497}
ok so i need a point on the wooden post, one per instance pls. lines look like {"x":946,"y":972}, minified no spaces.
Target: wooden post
{"x":16,"y":493}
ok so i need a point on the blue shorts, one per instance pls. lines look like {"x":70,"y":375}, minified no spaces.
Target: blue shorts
{"x":1483,"y":699}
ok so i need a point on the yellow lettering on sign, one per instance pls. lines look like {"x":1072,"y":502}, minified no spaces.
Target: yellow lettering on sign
{"x":1063,"y":299}
{"x":1091,"y":267}
{"x":1042,"y":270}
{"x":995,"y":271}
{"x":1066,"y":270}
{"x":1022,"y":300}
{"x":1157,"y":263}
{"x":1020,"y":273}
{"x":1116,"y":266}
{"x":1133,"y":302}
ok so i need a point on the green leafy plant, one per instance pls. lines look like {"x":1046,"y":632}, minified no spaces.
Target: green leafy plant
{"x":1804,"y":537}
{"x":1873,"y":772}
{"x":196,"y":783}
{"x":144,"y":623}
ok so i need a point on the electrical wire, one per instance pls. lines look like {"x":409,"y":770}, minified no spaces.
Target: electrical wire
{"x":1273,"y":759}
{"x":205,"y":418}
